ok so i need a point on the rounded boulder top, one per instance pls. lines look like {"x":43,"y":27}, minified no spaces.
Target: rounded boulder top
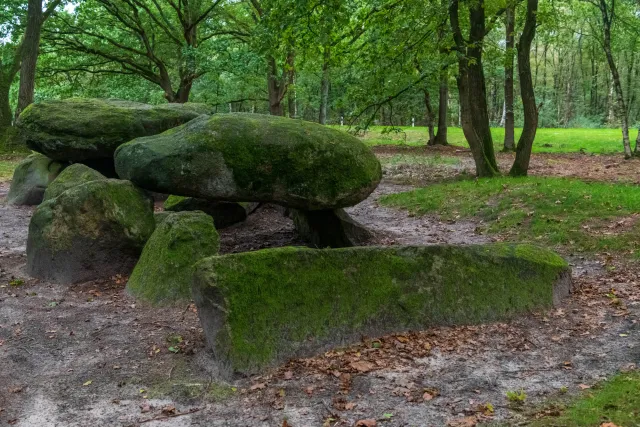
{"x":79,"y":129}
{"x":256,"y":158}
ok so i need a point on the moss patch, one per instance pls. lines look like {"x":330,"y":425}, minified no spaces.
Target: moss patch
{"x":73,"y":175}
{"x":263,"y":307}
{"x":252,"y":157}
{"x":78,"y":129}
{"x":163,"y":273}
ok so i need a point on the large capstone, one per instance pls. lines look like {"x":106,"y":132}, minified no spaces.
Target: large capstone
{"x":165,"y":269}
{"x":90,"y":130}
{"x":251,"y":157}
{"x":262,"y":308}
{"x":31,"y":178}
{"x":90,"y":231}
{"x":224,"y":214}
{"x":73,"y":175}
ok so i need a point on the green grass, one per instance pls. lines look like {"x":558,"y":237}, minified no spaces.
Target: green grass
{"x":555,"y":211}
{"x":615,"y":401}
{"x":597,"y":141}
{"x":435,"y":160}
{"x":7,"y":165}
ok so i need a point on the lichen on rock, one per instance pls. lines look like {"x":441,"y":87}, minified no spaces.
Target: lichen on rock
{"x":93,"y":230}
{"x":252,"y":157}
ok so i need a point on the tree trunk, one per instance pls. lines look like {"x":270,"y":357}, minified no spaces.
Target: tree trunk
{"x":429,"y":117}
{"x":5,"y":107}
{"x":525,"y":143}
{"x":292,"y":101}
{"x":472,"y":88}
{"x":607,"y":20}
{"x":324,"y":85}
{"x":30,"y":45}
{"x":509,"y":122}
{"x":443,"y":110}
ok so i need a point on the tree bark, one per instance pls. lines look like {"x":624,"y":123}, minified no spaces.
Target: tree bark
{"x":324,"y":85}
{"x":277,"y":85}
{"x":5,"y":107}
{"x":608,"y":16}
{"x":525,"y":143}
{"x":292,"y":101}
{"x":429,"y":116}
{"x":30,"y":45}
{"x":443,"y":110}
{"x":509,"y":120}
{"x":472,"y":88}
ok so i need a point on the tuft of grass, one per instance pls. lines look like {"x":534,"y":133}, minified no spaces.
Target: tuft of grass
{"x":616,"y":401}
{"x":548,"y":140}
{"x":517,"y":397}
{"x":557,"y":211}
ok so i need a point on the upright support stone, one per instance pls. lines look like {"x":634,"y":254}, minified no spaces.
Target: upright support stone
{"x":31,"y":178}
{"x":330,"y":228}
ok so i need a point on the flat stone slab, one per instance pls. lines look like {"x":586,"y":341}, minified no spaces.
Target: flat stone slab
{"x":262,"y":308}
{"x":253,"y":158}
{"x":80,"y":129}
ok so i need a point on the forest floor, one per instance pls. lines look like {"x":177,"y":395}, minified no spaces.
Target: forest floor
{"x":89,"y":354}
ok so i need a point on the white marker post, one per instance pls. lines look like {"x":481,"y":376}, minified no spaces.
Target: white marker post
{"x":341,"y":120}
{"x":413,"y":122}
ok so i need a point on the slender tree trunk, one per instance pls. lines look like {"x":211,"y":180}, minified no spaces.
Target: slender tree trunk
{"x":443,"y":110}
{"x":607,"y":20}
{"x":429,"y":117}
{"x":274,"y":89}
{"x":291,"y":97}
{"x":525,"y":143}
{"x":5,"y":107}
{"x":509,"y":122}
{"x":30,"y":45}
{"x":472,"y":88}
{"x":324,"y":85}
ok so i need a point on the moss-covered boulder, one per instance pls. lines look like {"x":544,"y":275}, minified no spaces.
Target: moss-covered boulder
{"x":256,"y":158}
{"x":79,"y":129}
{"x":224,"y":214}
{"x":73,"y":175}
{"x":31,"y":178}
{"x":261,"y":308}
{"x":90,"y":231}
{"x":165,"y":269}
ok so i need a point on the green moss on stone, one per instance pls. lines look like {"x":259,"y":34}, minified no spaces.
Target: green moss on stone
{"x":263,"y":307}
{"x":73,"y":175}
{"x":163,"y":273}
{"x":79,"y":129}
{"x":252,"y":157}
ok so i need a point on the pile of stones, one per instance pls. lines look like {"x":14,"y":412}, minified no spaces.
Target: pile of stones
{"x":99,"y":164}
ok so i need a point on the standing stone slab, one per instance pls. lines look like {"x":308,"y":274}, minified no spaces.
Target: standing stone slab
{"x":31,"y":178}
{"x":79,"y":129}
{"x":255,"y":158}
{"x":263,"y":308}
{"x":91,"y":231}
{"x":330,"y":228}
{"x":165,"y":269}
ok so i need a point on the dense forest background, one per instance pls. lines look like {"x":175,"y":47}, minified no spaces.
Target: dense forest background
{"x":370,"y":62}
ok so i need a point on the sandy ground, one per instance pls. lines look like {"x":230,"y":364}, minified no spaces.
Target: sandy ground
{"x":89,"y":355}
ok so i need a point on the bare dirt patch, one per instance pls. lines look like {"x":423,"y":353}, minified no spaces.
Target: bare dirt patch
{"x":89,"y":354}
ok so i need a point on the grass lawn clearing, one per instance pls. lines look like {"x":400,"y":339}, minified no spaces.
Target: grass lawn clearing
{"x":615,"y":401}
{"x":553,"y":211}
{"x":548,"y":140}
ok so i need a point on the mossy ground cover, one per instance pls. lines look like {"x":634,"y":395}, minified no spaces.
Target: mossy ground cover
{"x":548,"y":140}
{"x":615,"y":401}
{"x":569,"y":213}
